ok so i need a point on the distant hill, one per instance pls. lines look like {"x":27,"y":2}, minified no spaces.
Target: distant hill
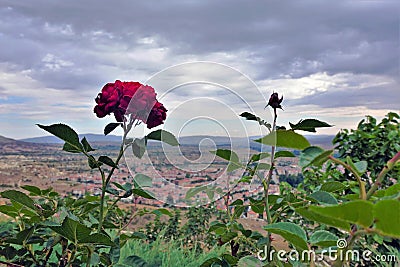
{"x":318,"y":140}
{"x":90,"y":137}
{"x":5,"y":140}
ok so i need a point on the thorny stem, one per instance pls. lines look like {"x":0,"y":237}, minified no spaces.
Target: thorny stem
{"x":106,"y":181}
{"x":266,"y":183}
{"x":361,"y":184}
{"x":389,"y":165}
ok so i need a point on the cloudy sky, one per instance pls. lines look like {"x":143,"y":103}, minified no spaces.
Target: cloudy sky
{"x":332,"y":60}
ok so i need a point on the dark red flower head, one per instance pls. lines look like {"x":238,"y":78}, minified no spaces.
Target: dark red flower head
{"x":157,"y":115}
{"x":274,"y":101}
{"x":133,"y":98}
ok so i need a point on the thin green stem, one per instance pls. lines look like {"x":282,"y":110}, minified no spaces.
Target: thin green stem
{"x":389,"y":165}
{"x":103,"y":193}
{"x":106,"y":181}
{"x":361,"y":183}
{"x":112,"y":205}
{"x":266,"y":183}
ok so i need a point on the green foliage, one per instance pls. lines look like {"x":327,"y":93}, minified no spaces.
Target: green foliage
{"x":291,"y":232}
{"x":309,"y":125}
{"x":111,"y":127}
{"x":323,"y":238}
{"x":49,"y":230}
{"x":252,"y":117}
{"x":373,"y":142}
{"x":159,"y":253}
{"x":284,"y":138}
{"x":164,"y":136}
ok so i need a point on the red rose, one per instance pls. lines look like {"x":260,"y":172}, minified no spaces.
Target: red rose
{"x":107,"y":101}
{"x":157,"y":115}
{"x":131,"y":98}
{"x":142,"y":102}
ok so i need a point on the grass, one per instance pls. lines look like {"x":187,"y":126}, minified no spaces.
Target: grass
{"x":172,"y":253}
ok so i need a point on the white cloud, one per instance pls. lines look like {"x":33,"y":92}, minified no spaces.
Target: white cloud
{"x":56,"y":55}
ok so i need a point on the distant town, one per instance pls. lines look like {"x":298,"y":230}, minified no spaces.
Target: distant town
{"x":46,"y":165}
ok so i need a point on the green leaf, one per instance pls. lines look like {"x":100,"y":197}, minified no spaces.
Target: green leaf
{"x":119,"y":186}
{"x":142,"y":193}
{"x":94,"y":259}
{"x":332,"y":186}
{"x":33,"y":190}
{"x":65,"y":133}
{"x":70,"y":148}
{"x":237,"y":202}
{"x":194,"y":191}
{"x":112,"y":191}
{"x":324,"y":197}
{"x":323,"y":238}
{"x":215,"y":225}
{"x":79,"y":233}
{"x":284,"y":138}
{"x":249,"y":261}
{"x":229,"y":258}
{"x":96,"y":238}
{"x":9,"y":211}
{"x":92,"y":162}
{"x":142,"y":180}
{"x":210,"y":262}
{"x":111,"y":127}
{"x":284,"y":154}
{"x":233,"y":166}
{"x":387,"y":217}
{"x":309,"y":125}
{"x":252,"y":117}
{"x":390,"y":191}
{"x":115,"y":251}
{"x":356,"y":212}
{"x":259,"y":156}
{"x":361,"y":167}
{"x":257,"y":208}
{"x":164,"y":136}
{"x":262,"y":166}
{"x":291,"y":232}
{"x":314,"y":155}
{"x":328,"y":220}
{"x":86,"y":145}
{"x":210,"y":193}
{"x":226,"y":154}
{"x":160,"y":212}
{"x":245,"y":179}
{"x":23,"y":236}
{"x":108,"y":161}
{"x":228,"y":236}
{"x":20,"y":198}
{"x":139,"y":147}
{"x":229,"y":155}
{"x":238,"y":211}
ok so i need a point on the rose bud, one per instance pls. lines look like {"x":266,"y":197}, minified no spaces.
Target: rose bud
{"x":274,"y":101}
